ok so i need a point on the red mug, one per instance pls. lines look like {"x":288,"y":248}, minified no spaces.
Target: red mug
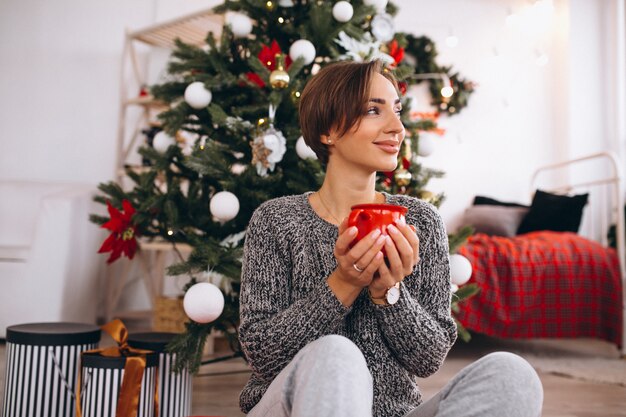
{"x":369,"y":217}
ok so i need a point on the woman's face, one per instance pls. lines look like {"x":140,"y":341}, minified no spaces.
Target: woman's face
{"x":374,"y":143}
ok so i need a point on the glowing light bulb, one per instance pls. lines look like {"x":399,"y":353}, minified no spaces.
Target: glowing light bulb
{"x":447,"y":91}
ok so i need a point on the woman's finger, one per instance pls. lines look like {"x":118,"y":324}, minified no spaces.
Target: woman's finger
{"x":342,"y":245}
{"x":362,"y":246}
{"x":410,"y":233}
{"x":404,"y":248}
{"x":394,"y":260}
{"x":383,"y":281}
{"x":364,"y":261}
{"x":343,"y":225}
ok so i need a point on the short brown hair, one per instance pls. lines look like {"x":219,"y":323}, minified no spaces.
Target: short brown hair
{"x":335,"y":98}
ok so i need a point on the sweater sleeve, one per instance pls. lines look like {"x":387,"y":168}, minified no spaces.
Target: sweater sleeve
{"x":419,"y":328}
{"x":273,"y":327}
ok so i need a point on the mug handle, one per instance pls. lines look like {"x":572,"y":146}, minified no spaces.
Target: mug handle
{"x":358,"y":216}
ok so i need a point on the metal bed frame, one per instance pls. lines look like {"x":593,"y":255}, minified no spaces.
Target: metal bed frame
{"x":606,"y":202}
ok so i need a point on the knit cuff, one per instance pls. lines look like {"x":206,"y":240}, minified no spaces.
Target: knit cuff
{"x":330,"y":302}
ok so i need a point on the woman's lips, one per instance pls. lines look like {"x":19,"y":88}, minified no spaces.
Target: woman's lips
{"x":388,"y":146}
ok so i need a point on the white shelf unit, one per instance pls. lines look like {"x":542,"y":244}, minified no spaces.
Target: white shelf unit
{"x":138,"y":112}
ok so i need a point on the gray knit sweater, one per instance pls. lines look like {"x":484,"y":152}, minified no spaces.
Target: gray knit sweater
{"x":286,"y":302}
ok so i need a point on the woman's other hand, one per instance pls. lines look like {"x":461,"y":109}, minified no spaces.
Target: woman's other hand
{"x":402,"y":248}
{"x":356,"y":265}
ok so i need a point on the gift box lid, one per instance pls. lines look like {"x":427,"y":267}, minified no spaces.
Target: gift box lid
{"x":156,"y":341}
{"x":53,"y":334}
{"x":96,"y":360}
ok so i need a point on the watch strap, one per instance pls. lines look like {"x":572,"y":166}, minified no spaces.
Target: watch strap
{"x":382,"y":301}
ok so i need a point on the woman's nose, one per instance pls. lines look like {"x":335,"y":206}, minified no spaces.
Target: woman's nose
{"x":394,"y":124}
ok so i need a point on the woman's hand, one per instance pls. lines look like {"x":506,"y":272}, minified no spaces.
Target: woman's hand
{"x":402,"y":248}
{"x":356,"y":266}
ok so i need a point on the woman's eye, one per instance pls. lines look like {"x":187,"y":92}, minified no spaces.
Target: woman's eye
{"x":399,"y":112}
{"x":372,"y":110}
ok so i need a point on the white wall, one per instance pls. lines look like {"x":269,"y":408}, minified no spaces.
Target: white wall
{"x":59,"y":86}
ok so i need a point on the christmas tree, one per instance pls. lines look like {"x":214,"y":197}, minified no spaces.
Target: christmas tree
{"x":230,"y":137}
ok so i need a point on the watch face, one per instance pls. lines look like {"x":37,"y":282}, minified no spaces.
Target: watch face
{"x":393,"y":295}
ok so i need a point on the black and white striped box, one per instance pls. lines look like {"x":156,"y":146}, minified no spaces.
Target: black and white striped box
{"x":102,"y":379}
{"x":175,"y":389}
{"x":42,"y":365}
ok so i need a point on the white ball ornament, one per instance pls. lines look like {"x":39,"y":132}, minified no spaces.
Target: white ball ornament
{"x":460,"y":269}
{"x":224,"y":206}
{"x":162,"y":141}
{"x":302,"y":48}
{"x":426,"y":144}
{"x":343,"y":11}
{"x":240,"y":24}
{"x":203,"y":302}
{"x":303,"y":150}
{"x":197,"y":96}
{"x":379,"y":5}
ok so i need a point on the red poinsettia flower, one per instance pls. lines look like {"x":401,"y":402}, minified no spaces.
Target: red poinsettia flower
{"x":396,"y":52}
{"x":268,"y":57}
{"x":123,"y":238}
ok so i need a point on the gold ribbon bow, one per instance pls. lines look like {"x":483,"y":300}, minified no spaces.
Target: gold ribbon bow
{"x":128,"y":400}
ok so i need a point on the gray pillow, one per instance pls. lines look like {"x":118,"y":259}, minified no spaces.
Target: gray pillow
{"x":494,"y":220}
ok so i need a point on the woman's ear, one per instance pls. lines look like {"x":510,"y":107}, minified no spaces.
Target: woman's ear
{"x":326,"y":140}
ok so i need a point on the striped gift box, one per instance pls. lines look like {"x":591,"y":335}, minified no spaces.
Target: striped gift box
{"x":42,"y":365}
{"x":101,"y":382}
{"x":175,"y":389}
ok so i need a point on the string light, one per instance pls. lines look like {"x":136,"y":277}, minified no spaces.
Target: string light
{"x":170,"y":232}
{"x":281,"y":20}
{"x":447,"y":91}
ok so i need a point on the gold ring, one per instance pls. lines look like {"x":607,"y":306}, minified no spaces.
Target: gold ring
{"x":359,"y":270}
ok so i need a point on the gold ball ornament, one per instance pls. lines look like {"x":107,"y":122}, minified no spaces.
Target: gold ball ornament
{"x":279,"y":78}
{"x":402,"y":177}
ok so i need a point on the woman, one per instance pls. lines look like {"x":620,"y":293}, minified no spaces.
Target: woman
{"x":317,"y":325}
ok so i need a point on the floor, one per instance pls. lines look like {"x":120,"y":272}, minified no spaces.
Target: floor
{"x":217,"y":386}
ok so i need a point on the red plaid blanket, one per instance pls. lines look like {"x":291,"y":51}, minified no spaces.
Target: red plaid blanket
{"x":543,"y":284}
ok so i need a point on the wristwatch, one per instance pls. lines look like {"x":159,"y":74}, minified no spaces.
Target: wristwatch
{"x":391,"y":296}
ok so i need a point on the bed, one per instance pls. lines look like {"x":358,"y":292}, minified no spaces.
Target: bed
{"x":548,"y":270}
